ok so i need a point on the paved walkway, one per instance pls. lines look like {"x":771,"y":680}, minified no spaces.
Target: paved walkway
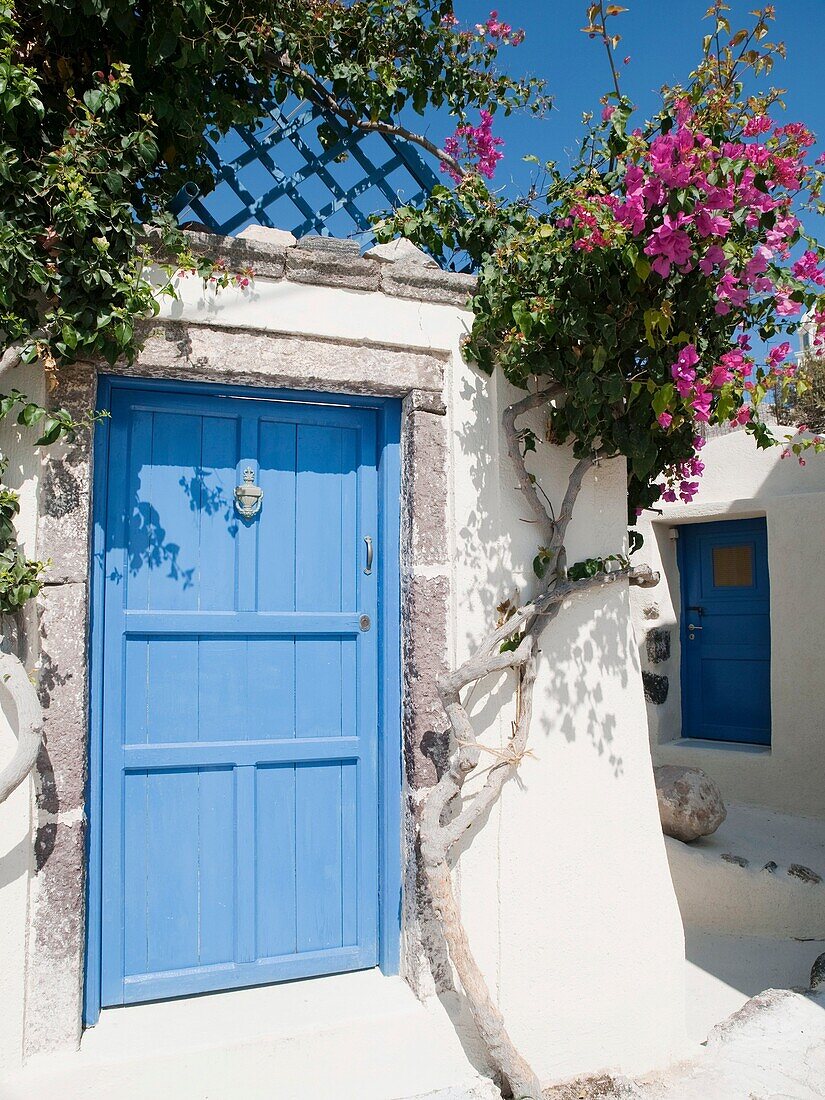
{"x":771,"y":1049}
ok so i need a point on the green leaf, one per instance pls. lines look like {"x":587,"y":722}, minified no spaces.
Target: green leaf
{"x":663,"y":398}
{"x":31,"y":414}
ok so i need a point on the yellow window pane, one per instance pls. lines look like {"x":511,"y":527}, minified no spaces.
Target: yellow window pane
{"x":733,"y":566}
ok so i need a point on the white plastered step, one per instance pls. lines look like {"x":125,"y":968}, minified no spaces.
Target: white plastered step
{"x":359,"y":1036}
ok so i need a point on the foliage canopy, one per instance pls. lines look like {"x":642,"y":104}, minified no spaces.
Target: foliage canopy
{"x":105,"y":108}
{"x":628,"y":288}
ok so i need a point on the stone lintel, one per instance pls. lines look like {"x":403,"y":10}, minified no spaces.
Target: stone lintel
{"x":176,"y":349}
{"x":328,"y":261}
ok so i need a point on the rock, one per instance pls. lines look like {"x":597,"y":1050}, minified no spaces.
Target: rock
{"x":690,"y":803}
{"x":729,"y":857}
{"x":818,"y":972}
{"x":657,"y":643}
{"x":267,"y":235}
{"x":656,"y":688}
{"x":340,"y":247}
{"x":798,"y":870}
{"x":400,"y":250}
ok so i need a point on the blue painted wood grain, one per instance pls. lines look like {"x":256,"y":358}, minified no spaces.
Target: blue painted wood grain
{"x":726,"y":665}
{"x":238,"y":697}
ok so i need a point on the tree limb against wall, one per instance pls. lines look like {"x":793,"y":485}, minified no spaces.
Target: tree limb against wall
{"x":445,"y":819}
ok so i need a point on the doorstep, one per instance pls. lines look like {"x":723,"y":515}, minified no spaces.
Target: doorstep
{"x":359,"y":1036}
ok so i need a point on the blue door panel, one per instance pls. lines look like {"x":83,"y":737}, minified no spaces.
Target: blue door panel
{"x":240,"y":695}
{"x":726,"y":656}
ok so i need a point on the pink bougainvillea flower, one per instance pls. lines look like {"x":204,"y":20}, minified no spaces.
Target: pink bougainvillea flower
{"x":758,"y":124}
{"x":711,"y":225}
{"x":779,"y":354}
{"x":784,"y":305}
{"x":683,"y":372}
{"x":713,"y":257}
{"x":669,"y":244}
{"x":729,"y":293}
{"x":807,"y":267}
{"x":665,"y":420}
{"x":495,"y":28}
{"x":719,"y":376}
{"x":797,"y":132}
{"x":631,"y":213}
{"x":477,"y":144}
{"x":701,"y":403}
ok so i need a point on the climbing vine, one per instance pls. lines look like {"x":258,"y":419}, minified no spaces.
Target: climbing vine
{"x":639,"y":281}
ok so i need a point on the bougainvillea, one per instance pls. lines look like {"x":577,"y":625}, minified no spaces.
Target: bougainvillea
{"x":639,"y":280}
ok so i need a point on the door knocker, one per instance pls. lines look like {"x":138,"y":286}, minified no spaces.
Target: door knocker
{"x":248,"y":497}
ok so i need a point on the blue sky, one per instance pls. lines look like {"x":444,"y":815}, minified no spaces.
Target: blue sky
{"x":663,"y":40}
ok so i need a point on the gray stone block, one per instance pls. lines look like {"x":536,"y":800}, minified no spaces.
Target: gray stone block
{"x":425,"y":486}
{"x":63,"y":691}
{"x":424,"y":648}
{"x":54,"y":979}
{"x":425,"y":284}
{"x":657,"y":643}
{"x":63,"y":524}
{"x":322,"y":267}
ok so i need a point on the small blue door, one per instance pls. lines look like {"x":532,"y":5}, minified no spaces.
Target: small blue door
{"x":240,"y":694}
{"x":726,"y":631}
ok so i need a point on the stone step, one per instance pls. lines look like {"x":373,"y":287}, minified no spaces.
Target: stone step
{"x":760,"y":874}
{"x":359,"y":1036}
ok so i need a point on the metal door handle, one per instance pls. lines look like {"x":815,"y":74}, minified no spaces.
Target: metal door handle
{"x":368,"y":567}
{"x":691,"y":626}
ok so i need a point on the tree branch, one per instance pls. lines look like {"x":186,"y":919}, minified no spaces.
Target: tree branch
{"x":322,"y":97}
{"x":12,"y":355}
{"x":438,"y":834}
{"x":525,"y":482}
{"x":15,"y":680}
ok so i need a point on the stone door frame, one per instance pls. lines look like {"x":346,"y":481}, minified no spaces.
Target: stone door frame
{"x":178,"y":351}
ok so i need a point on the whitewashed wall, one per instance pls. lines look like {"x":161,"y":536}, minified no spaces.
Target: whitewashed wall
{"x":566,"y":889}
{"x":739,"y":481}
{"x":16,"y":848}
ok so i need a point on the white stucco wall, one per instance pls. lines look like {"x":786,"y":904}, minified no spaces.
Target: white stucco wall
{"x":739,"y":481}
{"x":558,"y":887}
{"x":15,"y":815}
{"x":566,"y":890}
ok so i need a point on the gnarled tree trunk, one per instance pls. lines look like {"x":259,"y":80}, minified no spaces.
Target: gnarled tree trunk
{"x":439,"y":832}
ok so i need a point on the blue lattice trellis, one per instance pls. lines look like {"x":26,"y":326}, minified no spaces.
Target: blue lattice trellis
{"x":279,"y":175}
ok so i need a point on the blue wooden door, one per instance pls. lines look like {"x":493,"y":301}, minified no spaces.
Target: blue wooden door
{"x":725,"y":631}
{"x":240,"y":693}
